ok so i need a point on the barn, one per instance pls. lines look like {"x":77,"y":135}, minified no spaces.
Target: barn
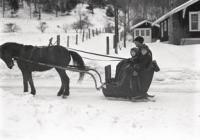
{"x":182,"y":24}
{"x":146,"y":30}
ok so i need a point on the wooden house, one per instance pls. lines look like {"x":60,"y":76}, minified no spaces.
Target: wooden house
{"x":146,"y":30}
{"x":182,"y":24}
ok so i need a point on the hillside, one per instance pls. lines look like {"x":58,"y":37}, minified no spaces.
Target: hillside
{"x":56,"y":24}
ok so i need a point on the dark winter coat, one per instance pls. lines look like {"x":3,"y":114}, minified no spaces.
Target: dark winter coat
{"x":144,"y":60}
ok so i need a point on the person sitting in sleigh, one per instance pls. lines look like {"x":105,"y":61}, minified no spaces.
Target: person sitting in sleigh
{"x":144,"y":61}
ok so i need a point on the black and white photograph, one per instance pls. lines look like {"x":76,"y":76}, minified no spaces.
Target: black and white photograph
{"x":99,"y":69}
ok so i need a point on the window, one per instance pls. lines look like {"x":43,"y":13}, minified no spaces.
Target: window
{"x":142,"y":32}
{"x":165,"y":25}
{"x":194,"y":21}
{"x":147,"y":32}
{"x":137,"y":33}
{"x":161,"y":29}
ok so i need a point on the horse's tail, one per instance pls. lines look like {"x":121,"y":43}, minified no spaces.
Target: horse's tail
{"x":78,"y":61}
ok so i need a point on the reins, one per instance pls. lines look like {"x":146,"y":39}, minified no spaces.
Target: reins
{"x":120,"y":58}
{"x":98,"y":59}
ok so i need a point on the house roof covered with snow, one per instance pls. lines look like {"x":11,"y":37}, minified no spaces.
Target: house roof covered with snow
{"x":175,"y":10}
{"x":142,"y":22}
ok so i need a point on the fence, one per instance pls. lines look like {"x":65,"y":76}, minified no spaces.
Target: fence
{"x":75,"y":38}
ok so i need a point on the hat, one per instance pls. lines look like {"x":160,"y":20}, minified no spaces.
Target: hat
{"x":139,"y":39}
{"x":135,"y":49}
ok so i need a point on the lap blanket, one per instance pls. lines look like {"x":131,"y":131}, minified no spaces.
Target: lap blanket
{"x":124,"y":84}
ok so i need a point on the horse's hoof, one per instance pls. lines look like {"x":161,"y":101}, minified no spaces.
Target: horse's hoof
{"x":59,"y":94}
{"x":64,"y":96}
{"x":33,"y":93}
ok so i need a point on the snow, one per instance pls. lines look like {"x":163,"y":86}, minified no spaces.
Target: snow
{"x":86,"y":113}
{"x":175,"y":10}
{"x":142,"y":22}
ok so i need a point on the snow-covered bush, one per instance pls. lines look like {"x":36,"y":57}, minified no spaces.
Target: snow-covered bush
{"x":11,"y":27}
{"x":42,"y":26}
{"x":109,"y":28}
{"x":82,"y":23}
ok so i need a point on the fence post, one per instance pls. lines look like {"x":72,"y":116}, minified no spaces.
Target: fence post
{"x":114,"y":41}
{"x":89,"y":33}
{"x":58,"y":40}
{"x":93,"y":32}
{"x":96,"y":31}
{"x":67,"y":41}
{"x":76,"y":39}
{"x":115,"y":44}
{"x":87,"y":36}
{"x":107,"y":45}
{"x":83,"y":36}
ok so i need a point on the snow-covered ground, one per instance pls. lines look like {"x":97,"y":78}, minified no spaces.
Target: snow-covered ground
{"x":86,"y":113}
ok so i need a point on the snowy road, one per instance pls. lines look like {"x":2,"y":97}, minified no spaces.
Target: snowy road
{"x":88,"y":114}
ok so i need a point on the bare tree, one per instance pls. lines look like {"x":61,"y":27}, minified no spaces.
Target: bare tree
{"x":3,"y":8}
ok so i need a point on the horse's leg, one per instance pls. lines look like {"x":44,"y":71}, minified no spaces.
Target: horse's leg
{"x":66,"y":93}
{"x":25,"y":81}
{"x":30,"y":79}
{"x":65,"y":82}
{"x":62,"y":89}
{"x":60,"y":92}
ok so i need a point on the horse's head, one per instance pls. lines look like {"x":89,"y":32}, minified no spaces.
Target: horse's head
{"x":6,"y":55}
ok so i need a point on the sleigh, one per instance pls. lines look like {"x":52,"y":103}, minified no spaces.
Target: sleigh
{"x":112,"y":87}
{"x":128,"y":87}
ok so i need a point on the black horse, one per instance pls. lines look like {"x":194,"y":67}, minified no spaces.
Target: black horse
{"x":28,"y":57}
